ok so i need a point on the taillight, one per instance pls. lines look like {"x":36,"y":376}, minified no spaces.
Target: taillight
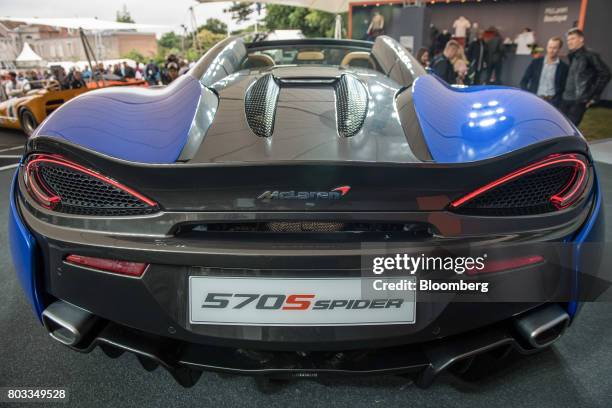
{"x":492,"y":266}
{"x":108,"y":265}
{"x":61,"y":185}
{"x":551,"y":184}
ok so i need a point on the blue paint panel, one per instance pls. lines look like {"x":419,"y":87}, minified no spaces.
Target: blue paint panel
{"x":134,"y":124}
{"x":24,"y":252}
{"x":593,"y":231}
{"x":481,"y":122}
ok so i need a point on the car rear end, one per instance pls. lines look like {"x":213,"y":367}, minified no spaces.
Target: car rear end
{"x":191,"y":273}
{"x":244,"y":233}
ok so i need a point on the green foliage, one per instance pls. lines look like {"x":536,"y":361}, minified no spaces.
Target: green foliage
{"x":597,"y":123}
{"x":123,"y":16}
{"x":170,"y":40}
{"x":248,"y":29}
{"x":192,"y":54}
{"x":214,"y":25}
{"x":134,"y":55}
{"x":241,"y":11}
{"x":313,"y":23}
{"x":209,"y":34}
{"x":207,"y":39}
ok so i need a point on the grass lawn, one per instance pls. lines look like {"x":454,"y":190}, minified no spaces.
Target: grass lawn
{"x":597,"y":124}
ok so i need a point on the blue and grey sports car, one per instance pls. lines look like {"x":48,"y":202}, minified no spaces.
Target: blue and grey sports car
{"x":227,"y":222}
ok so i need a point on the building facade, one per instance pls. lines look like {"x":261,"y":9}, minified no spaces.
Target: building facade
{"x":61,"y":44}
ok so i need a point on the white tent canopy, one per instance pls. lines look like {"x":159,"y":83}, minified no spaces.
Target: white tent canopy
{"x":28,"y":55}
{"x":92,"y":24}
{"x":28,"y":58}
{"x":331,"y":6}
{"x":285,"y":35}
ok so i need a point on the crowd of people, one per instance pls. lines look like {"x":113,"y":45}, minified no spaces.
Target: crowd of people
{"x":478,"y":63}
{"x":17,"y":84}
{"x":571,"y":86}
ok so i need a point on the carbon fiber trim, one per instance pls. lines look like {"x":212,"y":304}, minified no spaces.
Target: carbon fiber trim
{"x":351,"y":105}
{"x":260,"y":105}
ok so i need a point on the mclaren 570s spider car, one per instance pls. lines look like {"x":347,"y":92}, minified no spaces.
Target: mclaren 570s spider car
{"x":238,"y":219}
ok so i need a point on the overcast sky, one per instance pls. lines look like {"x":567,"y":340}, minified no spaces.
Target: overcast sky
{"x":165,"y":12}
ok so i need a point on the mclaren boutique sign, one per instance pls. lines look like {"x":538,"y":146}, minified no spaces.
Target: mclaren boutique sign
{"x":556,"y":14}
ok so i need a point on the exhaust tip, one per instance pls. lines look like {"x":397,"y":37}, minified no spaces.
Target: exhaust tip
{"x":544,"y":326}
{"x":67,"y":323}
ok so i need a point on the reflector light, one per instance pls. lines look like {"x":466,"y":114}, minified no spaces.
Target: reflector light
{"x":109,"y":265}
{"x":566,"y":196}
{"x":507,"y":264}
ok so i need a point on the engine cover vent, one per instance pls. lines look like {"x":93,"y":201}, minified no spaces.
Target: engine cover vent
{"x":260,"y":105}
{"x":351,"y":105}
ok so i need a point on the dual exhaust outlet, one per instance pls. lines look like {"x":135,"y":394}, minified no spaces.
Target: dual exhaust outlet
{"x":70,"y":324}
{"x":67,"y":323}
{"x":543,"y":326}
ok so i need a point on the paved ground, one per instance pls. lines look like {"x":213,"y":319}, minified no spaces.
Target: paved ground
{"x":576,"y":372}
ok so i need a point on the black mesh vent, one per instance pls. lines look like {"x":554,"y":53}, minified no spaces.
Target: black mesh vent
{"x":260,"y":105}
{"x":351,"y":105}
{"x":526,"y":195}
{"x":83,"y":194}
{"x":306,"y":226}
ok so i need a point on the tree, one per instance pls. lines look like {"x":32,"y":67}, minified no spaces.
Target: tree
{"x":247,"y":30}
{"x":241,"y":11}
{"x":207,"y":39}
{"x":313,"y":23}
{"x":214,"y":25}
{"x":170,"y":40}
{"x":123,"y":16}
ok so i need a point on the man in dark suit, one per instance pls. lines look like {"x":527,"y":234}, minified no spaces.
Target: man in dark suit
{"x":546,"y":76}
{"x":476,"y":53}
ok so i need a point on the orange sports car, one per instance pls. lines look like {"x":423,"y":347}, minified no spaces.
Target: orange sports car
{"x":27,"y":111}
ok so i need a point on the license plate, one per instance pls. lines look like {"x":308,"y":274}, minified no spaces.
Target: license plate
{"x":294,"y":302}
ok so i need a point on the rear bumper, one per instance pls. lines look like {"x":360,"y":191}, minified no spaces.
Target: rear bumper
{"x":186,"y":361}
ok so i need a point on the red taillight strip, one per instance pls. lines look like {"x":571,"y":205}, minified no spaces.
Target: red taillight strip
{"x":570,"y":158}
{"x":109,"y":265}
{"x":49,"y":201}
{"x":561,"y":201}
{"x":74,"y":166}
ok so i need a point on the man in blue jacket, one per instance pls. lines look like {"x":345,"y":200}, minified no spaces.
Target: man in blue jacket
{"x":546,"y":76}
